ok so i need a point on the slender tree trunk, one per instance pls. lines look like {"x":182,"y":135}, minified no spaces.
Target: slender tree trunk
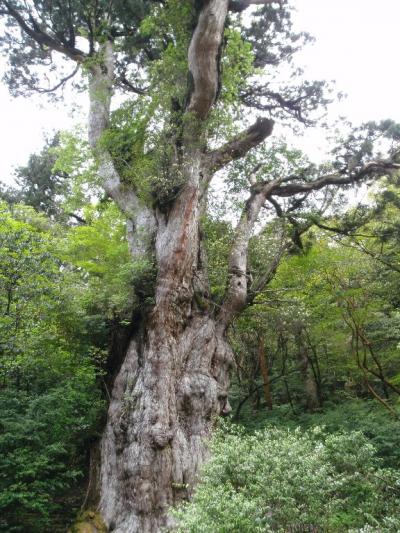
{"x":264,"y":372}
{"x":309,"y":382}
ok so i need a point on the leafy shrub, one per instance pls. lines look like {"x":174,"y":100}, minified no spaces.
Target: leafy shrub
{"x":376,"y":423}
{"x":292,"y":480}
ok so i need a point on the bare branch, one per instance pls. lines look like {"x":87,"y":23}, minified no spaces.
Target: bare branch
{"x":130,"y":87}
{"x":240,"y":145}
{"x":59,"y":84}
{"x":42,"y":38}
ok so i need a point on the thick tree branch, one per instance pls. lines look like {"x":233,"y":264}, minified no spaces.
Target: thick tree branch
{"x":203,"y":56}
{"x":42,"y":38}
{"x":236,"y":293}
{"x":240,"y":145}
{"x":141,"y":222}
{"x":371,"y":169}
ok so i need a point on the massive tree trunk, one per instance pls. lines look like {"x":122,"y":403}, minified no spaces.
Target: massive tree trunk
{"x":170,"y":389}
{"x":171,"y":386}
{"x":173,"y":382}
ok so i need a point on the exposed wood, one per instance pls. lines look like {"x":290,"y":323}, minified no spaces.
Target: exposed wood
{"x":240,"y":145}
{"x":203,"y":56}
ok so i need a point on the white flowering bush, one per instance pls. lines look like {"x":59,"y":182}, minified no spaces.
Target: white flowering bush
{"x":284,"y":480}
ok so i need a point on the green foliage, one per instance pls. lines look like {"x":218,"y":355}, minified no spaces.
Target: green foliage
{"x":144,"y":132}
{"x":49,"y":398}
{"x":237,"y":64}
{"x":73,"y":159}
{"x":40,"y":185}
{"x":339,"y":413}
{"x":68,"y":24}
{"x":170,"y":29}
{"x":142,"y":153}
{"x":29,"y":292}
{"x":42,"y":438}
{"x":59,"y":180}
{"x":277,"y":480}
{"x":63,"y":290}
{"x":336,"y":295}
{"x":379,"y":426}
{"x":218,"y":236}
{"x":103,"y":271}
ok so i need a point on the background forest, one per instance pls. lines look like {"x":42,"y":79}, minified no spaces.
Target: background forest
{"x":317,"y":350}
{"x":312,"y":440}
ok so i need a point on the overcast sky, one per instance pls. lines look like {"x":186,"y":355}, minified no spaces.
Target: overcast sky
{"x":356,"y":45}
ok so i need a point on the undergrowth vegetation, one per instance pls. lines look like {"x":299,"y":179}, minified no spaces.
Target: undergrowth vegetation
{"x":278,"y":479}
